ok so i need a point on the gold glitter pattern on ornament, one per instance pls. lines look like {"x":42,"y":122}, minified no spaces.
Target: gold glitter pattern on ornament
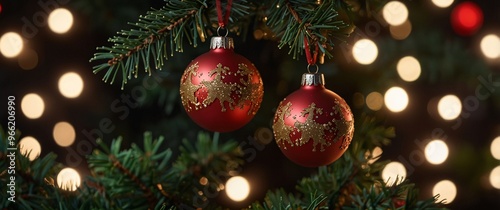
{"x":345,"y":129}
{"x":218,"y":89}
{"x":281,"y":130}
{"x":188,"y":89}
{"x":250,"y":92}
{"x":310,"y":129}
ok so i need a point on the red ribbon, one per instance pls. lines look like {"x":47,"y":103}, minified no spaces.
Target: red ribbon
{"x":311,"y":60}
{"x":223,"y":21}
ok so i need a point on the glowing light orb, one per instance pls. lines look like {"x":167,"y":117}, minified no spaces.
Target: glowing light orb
{"x":392,"y":171}
{"x":395,"y":13}
{"x":446,"y":190}
{"x":31,"y":146}
{"x":237,"y":188}
{"x":374,"y":101}
{"x":32,"y":106}
{"x":490,"y":46}
{"x":436,"y":152}
{"x":409,"y":68}
{"x":495,"y":177}
{"x":449,"y":107}
{"x":402,"y":31}
{"x":70,"y":85}
{"x":68,"y":179}
{"x":442,"y":3}
{"x":365,"y":51}
{"x":396,"y":99}
{"x":28,"y":59}
{"x":60,"y":20}
{"x":11,"y":44}
{"x":376,"y":153}
{"x":64,"y":134}
{"x":495,"y":148}
{"x":466,"y":18}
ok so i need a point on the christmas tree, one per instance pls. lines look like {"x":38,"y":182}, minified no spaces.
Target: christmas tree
{"x":191,"y":123}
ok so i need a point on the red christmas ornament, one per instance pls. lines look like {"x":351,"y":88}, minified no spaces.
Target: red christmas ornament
{"x":313,"y":126}
{"x":220,"y":90}
{"x":466,"y":18}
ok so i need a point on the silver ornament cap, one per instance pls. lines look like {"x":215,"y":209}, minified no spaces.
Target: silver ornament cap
{"x":314,"y":79}
{"x":223,"y":42}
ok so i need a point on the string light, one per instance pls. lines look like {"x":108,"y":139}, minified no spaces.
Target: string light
{"x":70,"y":85}
{"x":375,"y":155}
{"x":490,"y":46}
{"x":449,"y":107}
{"x":409,"y":68}
{"x":395,"y":13}
{"x":402,"y":31}
{"x":442,"y":3}
{"x":32,"y":106}
{"x":64,"y":134}
{"x":392,"y":171}
{"x":11,"y":44}
{"x":31,"y":146}
{"x":495,"y":148}
{"x":237,"y":188}
{"x":396,"y":99}
{"x":365,"y":51}
{"x":436,"y":152}
{"x":28,"y":59}
{"x":68,"y":179}
{"x":466,"y":18}
{"x":60,"y":20}
{"x":374,"y":101}
{"x":446,"y":190}
{"x":495,"y":177}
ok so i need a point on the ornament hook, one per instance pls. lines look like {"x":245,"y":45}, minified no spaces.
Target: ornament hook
{"x":312,"y":65}
{"x":221,"y":28}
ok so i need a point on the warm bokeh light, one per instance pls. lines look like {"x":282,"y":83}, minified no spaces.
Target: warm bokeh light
{"x":436,"y":152}
{"x":28,"y":59}
{"x":375,"y":154}
{"x":495,"y":148}
{"x":396,"y":99}
{"x":466,"y":18}
{"x":402,"y":31}
{"x":446,"y":190}
{"x":495,"y":177}
{"x":374,"y":101}
{"x":358,"y":100}
{"x":11,"y":44}
{"x":365,"y":51}
{"x":31,"y":146}
{"x":237,"y":188}
{"x":68,"y":179}
{"x":70,"y":85}
{"x":409,"y":68}
{"x":442,"y":3}
{"x":395,"y":13}
{"x":32,"y":106}
{"x":449,"y":107}
{"x":64,"y":134}
{"x":490,"y":46}
{"x":392,"y":171}
{"x":60,"y":20}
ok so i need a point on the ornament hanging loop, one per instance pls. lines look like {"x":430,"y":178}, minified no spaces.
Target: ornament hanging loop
{"x":219,"y":29}
{"x":310,"y":66}
{"x":223,"y":20}
{"x":311,"y":59}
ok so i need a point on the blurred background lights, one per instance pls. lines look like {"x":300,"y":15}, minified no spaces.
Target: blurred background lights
{"x":446,"y":190}
{"x":495,"y":148}
{"x":60,"y":20}
{"x":11,"y":44}
{"x":365,"y":51}
{"x":70,"y":85}
{"x":237,"y":188}
{"x":466,"y":18}
{"x":32,"y":106}
{"x":449,"y":107}
{"x":28,"y":59}
{"x":395,"y":13}
{"x":490,"y":46}
{"x":392,"y":171}
{"x":29,"y":145}
{"x":374,"y":101}
{"x":396,"y":99}
{"x":376,"y":153}
{"x":442,"y":3}
{"x":409,"y":68}
{"x":64,"y":134}
{"x":68,"y":179}
{"x":495,"y":177}
{"x":402,"y":31}
{"x":436,"y":152}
